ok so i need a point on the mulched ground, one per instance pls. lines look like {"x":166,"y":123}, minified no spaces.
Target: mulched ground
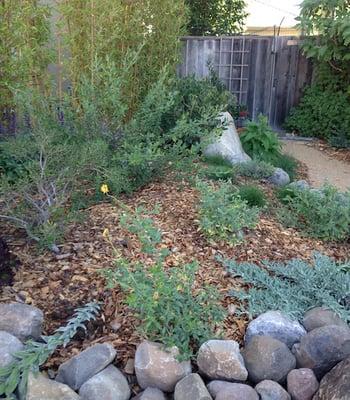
{"x":59,"y":284}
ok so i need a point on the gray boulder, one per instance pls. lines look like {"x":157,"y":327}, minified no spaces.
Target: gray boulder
{"x":150,"y":394}
{"x":221,"y":359}
{"x":302,"y":384}
{"x":237,"y":391}
{"x":41,"y":388}
{"x":300,"y":185}
{"x":268,"y":358}
{"x":228,"y":146}
{"x":214,"y":387}
{"x":270,"y":390}
{"x":276,"y":325}
{"x":319,"y":316}
{"x":85,"y":365}
{"x":335,"y":385}
{"x":158,"y":368}
{"x":9,"y":345}
{"x":109,"y":384}
{"x":279,"y":177}
{"x":21,"y":320}
{"x":322,"y":348}
{"x":191,"y":388}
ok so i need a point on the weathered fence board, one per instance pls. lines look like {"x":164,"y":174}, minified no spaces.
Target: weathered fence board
{"x":267,"y":74}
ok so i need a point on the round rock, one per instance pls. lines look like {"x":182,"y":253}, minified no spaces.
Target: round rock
{"x":237,"y":391}
{"x":221,"y":359}
{"x":158,"y":368}
{"x":319,"y":316}
{"x":270,"y":390}
{"x":268,"y":358}
{"x":9,"y":345}
{"x":302,"y":384}
{"x":191,"y":388}
{"x":276,"y":325}
{"x":150,"y":394}
{"x":279,"y":177}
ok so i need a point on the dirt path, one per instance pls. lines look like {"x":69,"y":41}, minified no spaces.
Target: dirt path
{"x":321,"y":167}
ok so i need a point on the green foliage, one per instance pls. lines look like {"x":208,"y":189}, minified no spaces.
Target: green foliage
{"x":223,"y":214}
{"x":323,"y":213}
{"x":253,"y":195}
{"x":288,"y":164}
{"x":168,"y":309}
{"x":219,"y":173}
{"x":35,"y":354}
{"x":216,"y":17}
{"x":293,"y":287}
{"x":260,"y":142}
{"x":255,"y":169}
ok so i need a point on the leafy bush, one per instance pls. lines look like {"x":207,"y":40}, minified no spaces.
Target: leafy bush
{"x":288,"y":164}
{"x":223,"y":214}
{"x":323,"y":213}
{"x":255,"y":169}
{"x":253,"y":195}
{"x":260,"y":142}
{"x":219,"y":173}
{"x":292,"y":288}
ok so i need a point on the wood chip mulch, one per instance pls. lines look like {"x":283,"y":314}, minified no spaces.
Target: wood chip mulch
{"x":333,"y":152}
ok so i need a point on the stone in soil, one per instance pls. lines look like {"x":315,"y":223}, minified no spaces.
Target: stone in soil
{"x":270,"y":390}
{"x":318,"y":317}
{"x":41,"y":388}
{"x":9,"y":345}
{"x":221,"y":359}
{"x":85,"y":365}
{"x":302,"y":384}
{"x":335,"y":385}
{"x":237,"y":391}
{"x":21,"y":320}
{"x":322,"y":348}
{"x":276,"y":325}
{"x":155,"y":367}
{"x":191,"y":388}
{"x":268,"y":358}
{"x":109,"y":384}
{"x":279,"y":177}
{"x":150,"y":394}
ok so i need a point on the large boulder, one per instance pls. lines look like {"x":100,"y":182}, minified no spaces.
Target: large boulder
{"x":268,"y":358}
{"x":279,"y":177}
{"x":302,"y":384}
{"x":41,"y":388}
{"x":150,"y":394}
{"x":322,"y":348}
{"x":109,"y":384}
{"x":276,"y":325}
{"x":221,"y":359}
{"x":9,"y":345}
{"x":319,"y":316}
{"x":158,"y":368}
{"x":270,"y":390}
{"x":228,"y":146}
{"x":191,"y":388}
{"x":21,"y":320}
{"x":85,"y":365}
{"x":237,"y":391}
{"x":335,"y":385}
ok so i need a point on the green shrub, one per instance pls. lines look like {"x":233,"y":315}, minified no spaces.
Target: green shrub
{"x":288,"y":164}
{"x":255,"y":169}
{"x":223,"y":214}
{"x":260,"y":142}
{"x":323,"y":213}
{"x":253,"y":195}
{"x":217,"y":161}
{"x":219,"y":173}
{"x":293,"y":287}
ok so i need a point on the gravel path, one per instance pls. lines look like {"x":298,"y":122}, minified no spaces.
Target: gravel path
{"x":321,"y":167}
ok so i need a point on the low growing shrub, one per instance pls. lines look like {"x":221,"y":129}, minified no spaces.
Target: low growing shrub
{"x":223,"y":214}
{"x":293,"y":287}
{"x":253,"y":195}
{"x":255,"y":169}
{"x":219,"y":173}
{"x":288,"y":164}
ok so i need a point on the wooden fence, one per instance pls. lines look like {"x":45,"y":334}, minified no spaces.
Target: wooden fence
{"x":267,"y":74}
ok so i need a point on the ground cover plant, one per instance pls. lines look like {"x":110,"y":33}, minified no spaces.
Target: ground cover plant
{"x":253,"y":195}
{"x":254,"y":169}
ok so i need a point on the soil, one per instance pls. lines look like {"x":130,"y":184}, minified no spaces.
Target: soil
{"x":8,"y":264}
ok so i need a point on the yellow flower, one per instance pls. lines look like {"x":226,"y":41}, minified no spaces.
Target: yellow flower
{"x":104,"y":189}
{"x":105,"y":233}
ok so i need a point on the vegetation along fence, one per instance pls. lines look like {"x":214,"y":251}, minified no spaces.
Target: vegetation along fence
{"x":267,"y":74}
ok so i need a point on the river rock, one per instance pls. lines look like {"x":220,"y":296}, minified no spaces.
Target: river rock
{"x":302,"y":384}
{"x":158,"y":368}
{"x":85,"y":365}
{"x":191,"y":388}
{"x":319,"y":316}
{"x":109,"y":384}
{"x":276,"y":325}
{"x":300,"y":185}
{"x":279,"y":177}
{"x":221,"y":359}
{"x":268,"y":358}
{"x":237,"y":391}
{"x":214,"y":387}
{"x":228,"y":146}
{"x":270,"y":390}
{"x":9,"y":345}
{"x":335,"y":385}
{"x":41,"y":388}
{"x":322,"y":348}
{"x":150,"y":394}
{"x":21,"y":320}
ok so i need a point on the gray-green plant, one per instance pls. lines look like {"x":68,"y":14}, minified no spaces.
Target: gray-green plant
{"x":223,"y":214}
{"x":254,"y":169}
{"x":292,"y":287}
{"x":15,"y":375}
